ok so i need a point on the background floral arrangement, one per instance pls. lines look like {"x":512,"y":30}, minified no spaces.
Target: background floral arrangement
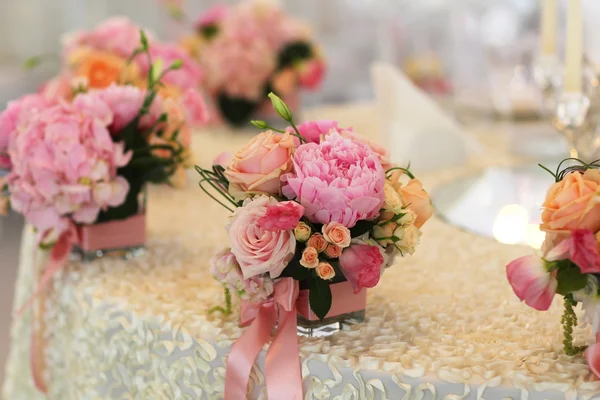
{"x":570,"y":260}
{"x":317,"y":203}
{"x":87,"y":159}
{"x":250,"y":50}
{"x":110,"y":55}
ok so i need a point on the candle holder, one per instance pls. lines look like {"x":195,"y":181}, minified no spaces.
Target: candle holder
{"x":575,"y":115}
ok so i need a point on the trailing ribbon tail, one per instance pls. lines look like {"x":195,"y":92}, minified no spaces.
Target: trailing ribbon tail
{"x":282,"y":365}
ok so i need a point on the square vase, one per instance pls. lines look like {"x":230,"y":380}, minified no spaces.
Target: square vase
{"x":123,"y":238}
{"x":347,"y":308}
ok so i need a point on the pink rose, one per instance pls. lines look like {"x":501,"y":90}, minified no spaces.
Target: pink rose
{"x":223,"y":159}
{"x":338,"y":234}
{"x":310,"y":258}
{"x":361,"y":265}
{"x":592,"y":356}
{"x":581,"y":248}
{"x":258,"y":250}
{"x":312,"y":74}
{"x":325,"y":271}
{"x":195,"y":107}
{"x":282,"y":216}
{"x":531,"y":282}
{"x":318,"y":242}
{"x":313,"y":130}
{"x":257,"y":168}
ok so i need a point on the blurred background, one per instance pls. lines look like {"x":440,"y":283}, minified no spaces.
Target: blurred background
{"x":474,"y":56}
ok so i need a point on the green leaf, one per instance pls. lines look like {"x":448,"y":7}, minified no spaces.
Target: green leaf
{"x":570,"y":279}
{"x":361,"y":228}
{"x":32,"y":62}
{"x":319,"y":296}
{"x":144,"y":40}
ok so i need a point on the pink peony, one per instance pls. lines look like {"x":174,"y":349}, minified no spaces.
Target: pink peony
{"x":124,"y":102}
{"x":382,"y":153}
{"x":361,"y":265}
{"x":195,"y":107}
{"x":225,"y":269}
{"x":212,"y":16}
{"x":592,"y":356}
{"x":117,"y":35}
{"x":65,"y":167}
{"x":336,"y":180}
{"x":282,"y":216}
{"x":581,"y":248}
{"x":188,"y":76}
{"x":57,"y":89}
{"x":313,"y":130}
{"x":531,"y":282}
{"x":312,"y":74}
{"x":16,"y":114}
{"x":256,"y":249}
{"x":257,"y":168}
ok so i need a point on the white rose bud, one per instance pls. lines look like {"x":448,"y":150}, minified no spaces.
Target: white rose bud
{"x":383,"y":233}
{"x":408,"y":239}
{"x":302,"y":232}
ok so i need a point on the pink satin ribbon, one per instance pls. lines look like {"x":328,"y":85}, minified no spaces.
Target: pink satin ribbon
{"x":592,"y":356}
{"x":58,"y":259}
{"x":282,"y":364}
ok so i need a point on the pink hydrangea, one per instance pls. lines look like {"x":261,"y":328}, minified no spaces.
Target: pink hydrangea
{"x":212,"y":16}
{"x":65,"y":167}
{"x":336,"y":180}
{"x":225,"y":269}
{"x":124,"y":103}
{"x":117,"y":35}
{"x":238,"y":64}
{"x":188,"y":76}
{"x":16,"y":114}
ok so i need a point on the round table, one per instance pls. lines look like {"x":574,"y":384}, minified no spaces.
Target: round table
{"x":443,"y":323}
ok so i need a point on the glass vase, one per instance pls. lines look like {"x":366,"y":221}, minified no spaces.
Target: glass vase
{"x":124,"y":238}
{"x":347,"y":308}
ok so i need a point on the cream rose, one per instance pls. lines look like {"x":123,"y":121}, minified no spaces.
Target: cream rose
{"x":258,"y":250}
{"x":325,"y":271}
{"x":256,"y":169}
{"x":409,"y":239}
{"x":338,"y":234}
{"x":310,"y":258}
{"x":302,"y":232}
{"x":392,"y":199}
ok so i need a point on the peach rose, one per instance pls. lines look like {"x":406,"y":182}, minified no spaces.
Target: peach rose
{"x":318,"y":242}
{"x":417,"y":199}
{"x":310,"y":258}
{"x":325,"y":271}
{"x":333,"y":251}
{"x":572,"y":203}
{"x":257,"y":168}
{"x":103,"y":69}
{"x":338,"y":234}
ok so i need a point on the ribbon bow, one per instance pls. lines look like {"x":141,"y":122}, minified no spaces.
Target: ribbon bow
{"x":57,"y":260}
{"x":282,"y":364}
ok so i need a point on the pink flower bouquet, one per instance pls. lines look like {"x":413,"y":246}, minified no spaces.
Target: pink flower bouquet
{"x":86,"y":160}
{"x":316,"y":203}
{"x":570,"y":263}
{"x":249,"y":50}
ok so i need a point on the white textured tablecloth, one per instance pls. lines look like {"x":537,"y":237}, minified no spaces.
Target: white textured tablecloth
{"x":442,"y":324}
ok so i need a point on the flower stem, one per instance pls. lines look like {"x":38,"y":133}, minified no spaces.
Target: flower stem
{"x":569,"y":320}
{"x":227,"y":310}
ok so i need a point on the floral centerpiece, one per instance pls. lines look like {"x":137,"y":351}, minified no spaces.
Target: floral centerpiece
{"x":570,"y":261}
{"x":318,"y":214}
{"x":85,"y":161}
{"x":249,"y":50}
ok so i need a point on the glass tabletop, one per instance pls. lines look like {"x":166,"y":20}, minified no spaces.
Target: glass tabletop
{"x":503,"y":203}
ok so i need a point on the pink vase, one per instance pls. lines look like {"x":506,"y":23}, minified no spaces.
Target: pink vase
{"x":347,"y":308}
{"x":123,"y":238}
